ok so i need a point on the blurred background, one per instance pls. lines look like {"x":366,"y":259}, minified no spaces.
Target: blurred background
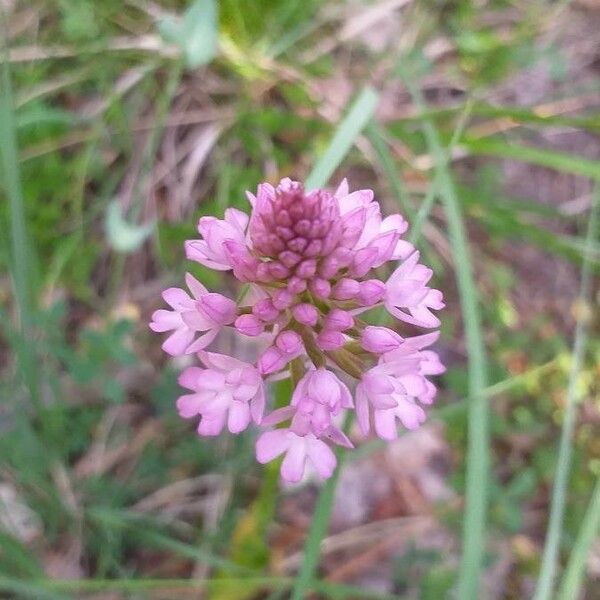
{"x":123,"y":121}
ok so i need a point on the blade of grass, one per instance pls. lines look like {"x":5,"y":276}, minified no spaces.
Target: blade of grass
{"x":477,"y":464}
{"x":280,"y":584}
{"x":559,"y":492}
{"x":149,"y":531}
{"x":352,"y":124}
{"x":26,"y":589}
{"x":318,"y":527}
{"x":22,"y":253}
{"x":537,"y":156}
{"x":571,"y":584}
{"x":519,"y":115}
{"x":248,"y":545}
{"x":436,"y":188}
{"x":376,"y":136}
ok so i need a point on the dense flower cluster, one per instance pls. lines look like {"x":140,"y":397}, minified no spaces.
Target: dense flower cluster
{"x":306,"y":257}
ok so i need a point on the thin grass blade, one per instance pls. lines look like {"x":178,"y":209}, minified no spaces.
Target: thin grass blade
{"x":574,"y":573}
{"x":352,"y":124}
{"x":478,"y":461}
{"x":21,"y":259}
{"x":545,"y":583}
{"x":537,"y":156}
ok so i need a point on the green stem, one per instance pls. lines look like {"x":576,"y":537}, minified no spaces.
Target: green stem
{"x":478,"y":461}
{"x":319,"y":525}
{"x":22,"y":250}
{"x":559,"y":492}
{"x":573,"y":578}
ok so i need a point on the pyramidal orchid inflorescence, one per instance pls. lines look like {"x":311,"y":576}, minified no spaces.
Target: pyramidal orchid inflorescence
{"x":308,"y":258}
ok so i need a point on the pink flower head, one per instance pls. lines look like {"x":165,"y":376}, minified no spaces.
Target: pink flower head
{"x":226,"y":391}
{"x":307,"y":258}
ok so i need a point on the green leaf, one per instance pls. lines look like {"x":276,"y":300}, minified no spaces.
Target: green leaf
{"x":196,"y":34}
{"x":200,"y":33}
{"x":121,"y":235}
{"x":537,"y":156}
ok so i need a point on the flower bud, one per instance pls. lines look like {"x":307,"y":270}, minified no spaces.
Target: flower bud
{"x":282,"y":299}
{"x":220,"y":309}
{"x":249,"y":325}
{"x":330,"y":340}
{"x":265,"y":310}
{"x":296,"y":285}
{"x":307,"y":268}
{"x":289,"y":342}
{"x":346,"y":289}
{"x":306,"y":314}
{"x":271,"y":360}
{"x":321,"y":288}
{"x":380,"y":339}
{"x":371,"y":292}
{"x":338,"y":320}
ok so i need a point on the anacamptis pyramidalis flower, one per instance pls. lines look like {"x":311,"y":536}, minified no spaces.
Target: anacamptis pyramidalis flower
{"x":308,"y":259}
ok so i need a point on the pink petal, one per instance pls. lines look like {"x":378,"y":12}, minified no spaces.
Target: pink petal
{"x":237,"y":218}
{"x":292,"y":467}
{"x":410,"y":414}
{"x":188,"y":378}
{"x":165,"y":320}
{"x":212,"y":425}
{"x":221,"y":362}
{"x":178,"y":342}
{"x":289,"y":342}
{"x":271,"y":444}
{"x":196,"y":320}
{"x":339,"y":437}
{"x":338,"y":320}
{"x":257,"y":405}
{"x":402,"y":250}
{"x":197,"y":250}
{"x":362,"y":409}
{"x":342,"y":189}
{"x":322,"y":458}
{"x":203,"y":341}
{"x":385,"y":424}
{"x":239,"y":417}
{"x":279,"y":415}
{"x":194,"y":286}
{"x":364,"y":261}
{"x":189,"y":405}
{"x":176,"y":298}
